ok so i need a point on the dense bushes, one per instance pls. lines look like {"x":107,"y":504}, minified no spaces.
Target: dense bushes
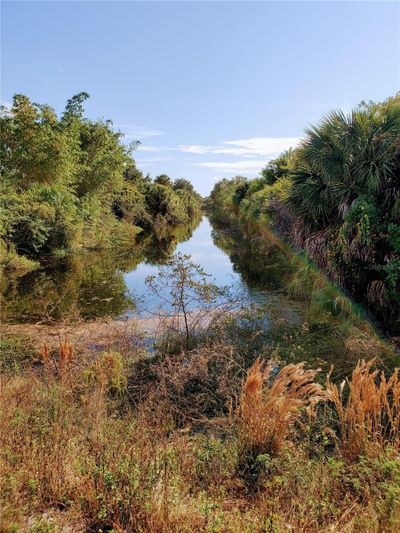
{"x":337,"y":196}
{"x":70,"y":182}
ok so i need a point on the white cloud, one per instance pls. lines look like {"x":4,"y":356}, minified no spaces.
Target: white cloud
{"x":148,"y":148}
{"x":261,"y":146}
{"x":255,"y":146}
{"x":196,"y":149}
{"x":150,"y":160}
{"x":137,"y":132}
{"x":249,"y":155}
{"x":252,"y":165}
{"x":265,"y":145}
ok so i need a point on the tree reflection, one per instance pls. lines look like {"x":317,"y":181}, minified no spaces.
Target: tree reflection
{"x":262,"y":262}
{"x":85,"y":285}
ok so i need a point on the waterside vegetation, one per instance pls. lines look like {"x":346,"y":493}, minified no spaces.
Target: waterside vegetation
{"x":70,"y":182}
{"x":234,"y":416}
{"x":212,"y":432}
{"x":337,"y":198}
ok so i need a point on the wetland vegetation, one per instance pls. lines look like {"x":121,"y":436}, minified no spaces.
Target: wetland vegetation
{"x":337,"y":198}
{"x":265,"y":400}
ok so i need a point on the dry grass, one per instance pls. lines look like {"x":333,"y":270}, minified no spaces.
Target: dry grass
{"x":60,"y":363}
{"x":270,"y":406}
{"x":368,"y":409}
{"x":190,"y":388}
{"x":85,"y":450}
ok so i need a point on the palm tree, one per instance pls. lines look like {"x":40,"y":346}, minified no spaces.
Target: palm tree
{"x":346,"y":195}
{"x":345,"y":157}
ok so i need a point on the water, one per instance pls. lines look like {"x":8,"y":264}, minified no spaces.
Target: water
{"x":202,"y":250}
{"x":93,"y":284}
{"x":109,"y":283}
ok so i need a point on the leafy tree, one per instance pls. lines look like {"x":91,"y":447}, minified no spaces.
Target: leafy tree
{"x":278,"y":168}
{"x":135,"y":176}
{"x":240,"y":191}
{"x":71,"y":181}
{"x":74,"y":108}
{"x":183,"y":184}
{"x":163,"y":179}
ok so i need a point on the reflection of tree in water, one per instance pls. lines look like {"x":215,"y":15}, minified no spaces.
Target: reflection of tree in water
{"x":89,"y":284}
{"x":162,"y":243}
{"x":260,"y":261}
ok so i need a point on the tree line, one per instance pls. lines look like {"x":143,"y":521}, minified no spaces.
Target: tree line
{"x":336,"y":196}
{"x":69,"y":182}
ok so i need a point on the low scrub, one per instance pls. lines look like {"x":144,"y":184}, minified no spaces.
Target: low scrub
{"x":194,"y":440}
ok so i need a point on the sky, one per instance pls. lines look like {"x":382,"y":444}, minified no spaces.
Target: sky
{"x":211,"y":89}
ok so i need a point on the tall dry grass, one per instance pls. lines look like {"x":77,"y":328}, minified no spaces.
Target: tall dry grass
{"x":158,"y":453}
{"x":269,"y":411}
{"x":368,"y":409}
{"x":60,"y":364}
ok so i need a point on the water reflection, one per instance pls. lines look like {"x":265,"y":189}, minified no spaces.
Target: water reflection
{"x":261,"y":262}
{"x":99,"y":283}
{"x":304,"y":329}
{"x":90,"y":284}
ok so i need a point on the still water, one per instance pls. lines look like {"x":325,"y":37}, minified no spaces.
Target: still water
{"x":202,"y":250}
{"x":110,"y":283}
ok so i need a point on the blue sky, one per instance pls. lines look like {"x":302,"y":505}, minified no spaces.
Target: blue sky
{"x":212,"y":89}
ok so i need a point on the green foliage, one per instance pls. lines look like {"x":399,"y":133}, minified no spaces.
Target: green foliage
{"x":359,"y":221}
{"x":43,"y":526}
{"x":163,"y":179}
{"x":108,"y":371}
{"x":225,"y":195}
{"x":347,"y":179}
{"x":184,"y":184}
{"x":130,"y":205}
{"x":15,"y":353}
{"x":12,"y":262}
{"x":392,"y":275}
{"x":278,"y":168}
{"x":70,"y":182}
{"x":337,"y":196}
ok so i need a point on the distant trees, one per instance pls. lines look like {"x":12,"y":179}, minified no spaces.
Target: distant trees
{"x":70,"y":182}
{"x":279,"y":167}
{"x":183,"y":184}
{"x":225,"y":194}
